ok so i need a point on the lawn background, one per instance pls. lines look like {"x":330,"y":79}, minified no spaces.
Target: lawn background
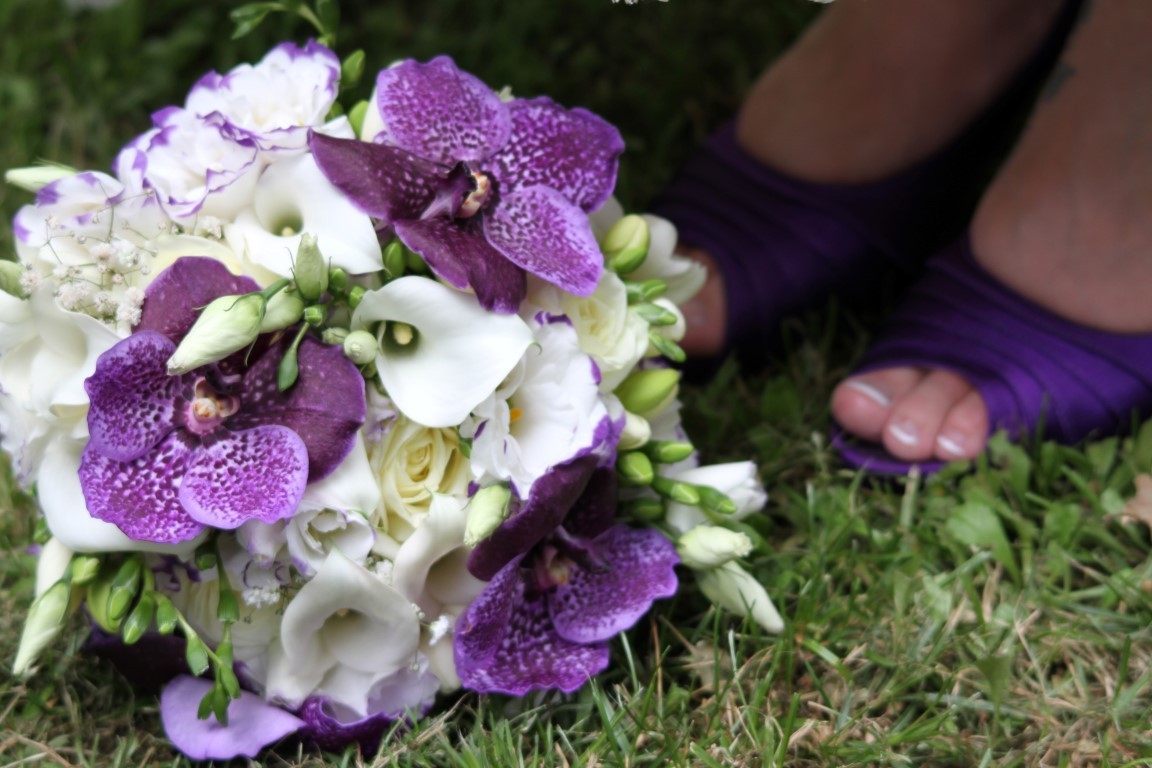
{"x":991,"y":615}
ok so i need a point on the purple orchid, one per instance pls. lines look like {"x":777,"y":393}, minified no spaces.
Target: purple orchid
{"x":484,"y":190}
{"x":220,"y":445}
{"x":545,"y":619}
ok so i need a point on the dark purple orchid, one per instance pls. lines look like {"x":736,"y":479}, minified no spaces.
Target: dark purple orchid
{"x":484,"y":190}
{"x":545,"y":619}
{"x":220,"y":445}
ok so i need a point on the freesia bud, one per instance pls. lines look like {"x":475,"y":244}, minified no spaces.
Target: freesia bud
{"x":310,"y":271}
{"x":486,"y":511}
{"x":637,"y":432}
{"x":284,"y":310}
{"x":394,"y":259}
{"x":735,"y":589}
{"x":674,"y":330}
{"x":647,"y":393}
{"x":645,"y":510}
{"x":634,"y":468}
{"x":227,"y":325}
{"x":626,"y":245}
{"x":360,"y":347}
{"x":43,"y":623}
{"x":669,"y":451}
{"x":84,"y":569}
{"x":36,"y":177}
{"x":356,"y":116}
{"x":710,"y":546}
{"x":334,"y":336}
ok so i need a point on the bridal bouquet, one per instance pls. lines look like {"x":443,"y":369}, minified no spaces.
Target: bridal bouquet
{"x":343,"y":410}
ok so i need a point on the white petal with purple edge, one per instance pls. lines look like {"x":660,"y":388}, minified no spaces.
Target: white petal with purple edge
{"x":252,"y":722}
{"x":457,"y":357}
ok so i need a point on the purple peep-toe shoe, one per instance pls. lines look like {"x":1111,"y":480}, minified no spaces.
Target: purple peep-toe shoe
{"x":1033,"y":368}
{"x":785,"y":245}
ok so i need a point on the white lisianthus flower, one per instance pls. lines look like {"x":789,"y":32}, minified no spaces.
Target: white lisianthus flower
{"x":343,"y":633}
{"x":431,"y":566}
{"x":313,"y":533}
{"x":275,"y":101}
{"x":293,"y":197}
{"x":196,"y":166}
{"x":547,"y":413}
{"x":411,"y":463}
{"x":614,"y":337}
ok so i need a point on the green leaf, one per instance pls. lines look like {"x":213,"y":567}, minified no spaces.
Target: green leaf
{"x":780,"y":400}
{"x":351,"y":70}
{"x":1102,"y":456}
{"x":248,"y":17}
{"x":997,"y":671}
{"x":976,"y":525}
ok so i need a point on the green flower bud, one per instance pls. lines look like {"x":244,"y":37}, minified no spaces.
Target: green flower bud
{"x":84,"y":569}
{"x":645,"y":510}
{"x":337,"y":279}
{"x":227,"y":325}
{"x":166,"y":614}
{"x":626,"y":245}
{"x":139,"y":620}
{"x":684,"y":493}
{"x":662,"y":345}
{"x":710,"y":546}
{"x":196,"y":654}
{"x":647,"y":393}
{"x":486,"y":511}
{"x":356,"y":116}
{"x":124,"y":588}
{"x":355,"y":295}
{"x":42,"y":624}
{"x":637,"y":432}
{"x":36,"y":177}
{"x":310,"y":270}
{"x":668,"y":451}
{"x":10,"y":274}
{"x":315,"y":315}
{"x":96,"y":600}
{"x":634,"y":468}
{"x":227,"y":607}
{"x":334,"y":336}
{"x":394,"y":259}
{"x":654,"y":314}
{"x":351,"y":69}
{"x":284,"y":310}
{"x":715,"y":501}
{"x":360,"y":347}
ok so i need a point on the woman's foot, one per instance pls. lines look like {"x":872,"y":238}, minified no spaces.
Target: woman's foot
{"x":1064,"y":225}
{"x":872,"y":89}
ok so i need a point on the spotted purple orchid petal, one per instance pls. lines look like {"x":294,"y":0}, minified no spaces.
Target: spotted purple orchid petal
{"x":572,"y":151}
{"x":173,"y":301}
{"x":505,"y":642}
{"x":439,"y":112}
{"x":539,"y":230}
{"x":553,"y":495}
{"x":325,"y":407}
{"x":460,"y":255}
{"x":387,"y":182}
{"x":140,"y":497}
{"x":597,"y":604}
{"x":595,"y":511}
{"x":134,"y":400}
{"x":253,"y":474}
{"x":252,"y":722}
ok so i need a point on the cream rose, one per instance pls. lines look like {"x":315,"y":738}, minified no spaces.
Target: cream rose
{"x":411,"y":462}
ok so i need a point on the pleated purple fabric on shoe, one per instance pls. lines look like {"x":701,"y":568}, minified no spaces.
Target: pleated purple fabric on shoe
{"x":785,"y":245}
{"x":1030,"y":366}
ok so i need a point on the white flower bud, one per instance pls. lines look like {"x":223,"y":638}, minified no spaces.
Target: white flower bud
{"x":284,"y":309}
{"x":637,"y":432}
{"x":735,"y":589}
{"x":36,"y":177}
{"x":45,"y":618}
{"x":710,"y":546}
{"x":227,"y":325}
{"x":487,"y":510}
{"x":360,"y":347}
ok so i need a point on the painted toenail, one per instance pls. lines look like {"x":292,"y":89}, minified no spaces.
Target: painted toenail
{"x":951,"y":444}
{"x":904,"y":432}
{"x":870,"y":392}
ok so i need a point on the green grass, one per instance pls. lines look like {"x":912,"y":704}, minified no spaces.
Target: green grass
{"x":996,"y":615}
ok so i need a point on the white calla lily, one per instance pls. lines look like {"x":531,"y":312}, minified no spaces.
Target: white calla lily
{"x":455,"y":356}
{"x":293,"y":197}
{"x":425,"y":570}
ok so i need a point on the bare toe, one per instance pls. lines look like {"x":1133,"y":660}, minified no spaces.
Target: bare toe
{"x":862,"y":404}
{"x":964,"y":431}
{"x":916,"y":418}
